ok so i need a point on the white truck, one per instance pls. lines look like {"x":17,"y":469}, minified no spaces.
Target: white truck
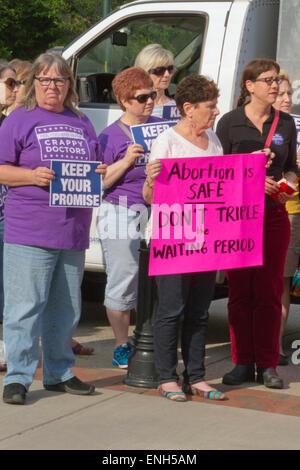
{"x":216,"y":38}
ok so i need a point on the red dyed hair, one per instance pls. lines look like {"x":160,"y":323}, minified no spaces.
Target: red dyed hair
{"x":127,"y":82}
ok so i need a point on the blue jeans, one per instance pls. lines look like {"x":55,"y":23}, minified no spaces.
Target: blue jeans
{"x":1,"y":270}
{"x":42,"y":298}
{"x":190,"y":295}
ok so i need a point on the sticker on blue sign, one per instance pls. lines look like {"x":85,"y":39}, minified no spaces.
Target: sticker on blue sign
{"x":76,"y":185}
{"x":145,"y":135}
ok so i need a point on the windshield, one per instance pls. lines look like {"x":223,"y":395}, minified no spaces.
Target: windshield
{"x":182,"y":35}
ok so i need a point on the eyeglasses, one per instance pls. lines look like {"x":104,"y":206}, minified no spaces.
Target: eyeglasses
{"x":45,"y":81}
{"x":269,"y":80}
{"x":159,"y":71}
{"x":21,"y":82}
{"x":144,"y":98}
{"x":10,"y":83}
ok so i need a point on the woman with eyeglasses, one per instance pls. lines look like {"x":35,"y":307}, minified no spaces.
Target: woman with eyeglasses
{"x":8,"y":91}
{"x":23,"y":68}
{"x":254,"y":306}
{"x":44,"y":247}
{"x":159,"y":63}
{"x":123,"y":205}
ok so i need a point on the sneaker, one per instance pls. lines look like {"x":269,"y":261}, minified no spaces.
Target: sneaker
{"x":73,"y":386}
{"x":121,"y":355}
{"x":14,"y":394}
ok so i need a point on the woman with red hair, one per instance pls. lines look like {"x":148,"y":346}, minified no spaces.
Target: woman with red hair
{"x":123,"y":204}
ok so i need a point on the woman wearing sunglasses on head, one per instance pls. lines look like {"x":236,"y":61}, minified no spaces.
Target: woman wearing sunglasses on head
{"x":159,"y":63}
{"x":123,"y":184}
{"x":8,"y":90}
{"x":254,"y":306}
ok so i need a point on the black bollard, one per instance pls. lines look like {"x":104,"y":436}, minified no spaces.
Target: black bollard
{"x":141,"y":370}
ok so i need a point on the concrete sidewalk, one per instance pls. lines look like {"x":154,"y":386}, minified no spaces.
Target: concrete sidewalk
{"x":119,"y":417}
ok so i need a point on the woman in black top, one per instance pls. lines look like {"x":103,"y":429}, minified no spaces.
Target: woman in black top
{"x":254,"y":307}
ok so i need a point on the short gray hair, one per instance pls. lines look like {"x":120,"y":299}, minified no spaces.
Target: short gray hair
{"x":153,"y":55}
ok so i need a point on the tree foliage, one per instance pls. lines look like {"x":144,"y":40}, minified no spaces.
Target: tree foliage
{"x":29,"y":27}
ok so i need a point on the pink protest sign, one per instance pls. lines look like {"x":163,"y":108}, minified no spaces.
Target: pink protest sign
{"x":208,"y":214}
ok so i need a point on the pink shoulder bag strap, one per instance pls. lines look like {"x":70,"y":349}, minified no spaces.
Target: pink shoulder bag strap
{"x":272,"y":130}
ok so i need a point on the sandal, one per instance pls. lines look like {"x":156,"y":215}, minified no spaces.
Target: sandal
{"x":82,"y":350}
{"x":209,"y":394}
{"x":174,"y":396}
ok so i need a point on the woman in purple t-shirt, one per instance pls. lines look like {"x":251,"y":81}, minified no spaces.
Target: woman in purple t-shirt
{"x":123,"y":204}
{"x":43,"y":246}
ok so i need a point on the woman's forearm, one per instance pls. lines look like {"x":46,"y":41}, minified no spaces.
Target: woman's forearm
{"x":114,"y":172}
{"x":16,"y":176}
{"x":148,"y":190}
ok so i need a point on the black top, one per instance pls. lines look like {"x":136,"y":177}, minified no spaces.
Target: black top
{"x":239,"y":135}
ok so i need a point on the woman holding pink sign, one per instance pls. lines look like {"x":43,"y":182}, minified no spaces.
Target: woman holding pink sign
{"x":254,"y":306}
{"x":189,"y":294}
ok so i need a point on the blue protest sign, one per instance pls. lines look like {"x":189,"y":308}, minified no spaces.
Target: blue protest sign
{"x":297,"y":123}
{"x":145,"y":135}
{"x":171,"y":113}
{"x":75,"y":185}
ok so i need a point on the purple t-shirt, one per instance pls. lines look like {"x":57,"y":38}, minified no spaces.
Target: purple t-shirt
{"x":113,"y":147}
{"x":33,"y":138}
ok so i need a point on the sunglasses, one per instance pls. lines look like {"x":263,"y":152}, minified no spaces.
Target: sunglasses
{"x":144,"y":98}
{"x":21,"y":82}
{"x":10,"y":83}
{"x":269,"y":80}
{"x":159,"y":71}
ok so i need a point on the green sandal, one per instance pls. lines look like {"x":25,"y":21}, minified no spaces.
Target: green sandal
{"x":210,"y":395}
{"x":174,"y":396}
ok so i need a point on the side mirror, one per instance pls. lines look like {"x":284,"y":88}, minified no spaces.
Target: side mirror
{"x":119,"y":39}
